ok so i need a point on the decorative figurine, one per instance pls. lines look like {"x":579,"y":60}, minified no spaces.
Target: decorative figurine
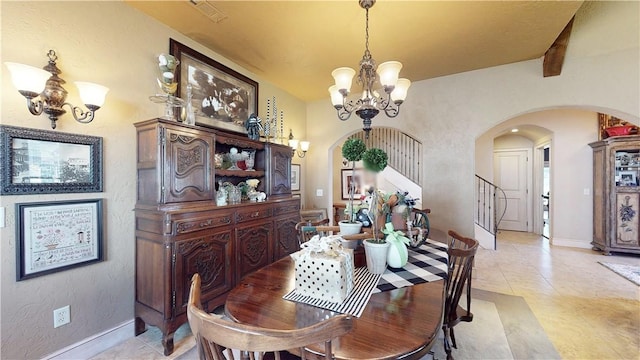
{"x":253,"y":125}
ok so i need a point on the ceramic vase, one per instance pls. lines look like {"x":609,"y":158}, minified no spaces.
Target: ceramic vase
{"x":398,"y":255}
{"x":347,"y":228}
{"x":376,"y":254}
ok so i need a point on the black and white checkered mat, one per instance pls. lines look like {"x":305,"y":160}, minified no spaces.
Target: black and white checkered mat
{"x":427,"y":263}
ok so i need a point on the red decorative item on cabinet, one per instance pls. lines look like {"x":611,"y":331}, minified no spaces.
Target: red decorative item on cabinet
{"x":621,"y":130}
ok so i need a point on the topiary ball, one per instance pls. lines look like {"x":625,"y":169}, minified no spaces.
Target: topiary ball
{"x":374,"y":159}
{"x":353,"y":148}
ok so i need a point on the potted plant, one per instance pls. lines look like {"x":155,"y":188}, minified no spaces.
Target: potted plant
{"x":375,"y":160}
{"x":352,"y":150}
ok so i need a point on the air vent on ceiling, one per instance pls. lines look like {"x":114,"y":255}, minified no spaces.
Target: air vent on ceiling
{"x":209,"y":10}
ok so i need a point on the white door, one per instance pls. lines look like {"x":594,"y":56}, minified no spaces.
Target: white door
{"x":510,"y":174}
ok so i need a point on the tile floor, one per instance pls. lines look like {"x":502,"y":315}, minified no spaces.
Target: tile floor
{"x":587,"y":311}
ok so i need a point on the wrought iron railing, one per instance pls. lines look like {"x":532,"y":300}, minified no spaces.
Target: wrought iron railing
{"x":404,"y":151}
{"x":492,"y":205}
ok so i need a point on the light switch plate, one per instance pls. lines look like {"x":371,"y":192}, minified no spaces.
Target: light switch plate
{"x":319,"y":192}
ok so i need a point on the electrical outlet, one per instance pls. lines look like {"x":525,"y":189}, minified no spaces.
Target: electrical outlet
{"x":61,"y":316}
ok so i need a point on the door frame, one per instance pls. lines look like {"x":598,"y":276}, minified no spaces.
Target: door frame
{"x":538,"y":178}
{"x":529,"y":170}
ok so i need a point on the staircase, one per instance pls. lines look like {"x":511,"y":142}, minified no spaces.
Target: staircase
{"x":492,"y":205}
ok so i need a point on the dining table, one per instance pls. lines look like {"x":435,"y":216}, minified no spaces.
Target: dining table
{"x":401,"y":323}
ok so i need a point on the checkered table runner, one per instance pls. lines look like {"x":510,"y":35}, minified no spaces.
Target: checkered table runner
{"x":426,"y":263}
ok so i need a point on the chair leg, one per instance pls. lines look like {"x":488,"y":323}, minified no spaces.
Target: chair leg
{"x":453,"y":338}
{"x":447,"y":345}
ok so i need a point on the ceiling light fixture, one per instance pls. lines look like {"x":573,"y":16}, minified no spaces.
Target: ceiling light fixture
{"x":293,"y":144}
{"x":30,"y":82}
{"x":371,"y":103}
{"x":514,"y":130}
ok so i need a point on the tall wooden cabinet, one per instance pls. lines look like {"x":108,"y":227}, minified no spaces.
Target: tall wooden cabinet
{"x":616,"y":194}
{"x":180,"y":231}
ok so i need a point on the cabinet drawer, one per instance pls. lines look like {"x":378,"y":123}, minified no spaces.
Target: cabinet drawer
{"x":287,"y":207}
{"x":202,"y":222}
{"x":254,"y":213}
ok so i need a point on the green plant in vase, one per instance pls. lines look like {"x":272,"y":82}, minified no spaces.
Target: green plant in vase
{"x":352,"y":150}
{"x":375,"y":160}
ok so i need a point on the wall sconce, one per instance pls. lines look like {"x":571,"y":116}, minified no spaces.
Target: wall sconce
{"x":30,"y":82}
{"x":293,"y":144}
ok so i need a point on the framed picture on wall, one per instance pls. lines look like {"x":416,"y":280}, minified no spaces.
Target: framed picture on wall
{"x":222,"y":97}
{"x":295,"y":177}
{"x":58,"y":235}
{"x":47,"y":162}
{"x":355,"y":179}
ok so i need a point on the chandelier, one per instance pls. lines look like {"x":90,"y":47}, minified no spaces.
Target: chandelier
{"x":371,"y":102}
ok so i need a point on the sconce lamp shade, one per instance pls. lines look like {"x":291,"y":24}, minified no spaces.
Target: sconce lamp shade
{"x":293,"y":144}
{"x":28,"y":78}
{"x":92,"y":94}
{"x":389,"y":72}
{"x":304,"y":146}
{"x":400,"y":92}
{"x":343,"y":77}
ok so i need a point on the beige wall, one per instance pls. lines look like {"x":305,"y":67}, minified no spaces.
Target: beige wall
{"x":448,"y":113}
{"x":114,"y":45}
{"x":571,"y":167}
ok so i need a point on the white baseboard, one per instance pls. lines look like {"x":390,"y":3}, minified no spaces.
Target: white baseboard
{"x":93,"y":345}
{"x":571,"y":243}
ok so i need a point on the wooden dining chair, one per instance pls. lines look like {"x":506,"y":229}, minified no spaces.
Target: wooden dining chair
{"x":462,"y":251}
{"x":309,"y":229}
{"x":216,"y":336}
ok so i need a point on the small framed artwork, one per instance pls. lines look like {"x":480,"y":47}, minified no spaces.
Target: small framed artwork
{"x":352,"y":178}
{"x":627,"y":178}
{"x":56,"y":236}
{"x":295,"y":177}
{"x":47,"y":162}
{"x":222,"y":97}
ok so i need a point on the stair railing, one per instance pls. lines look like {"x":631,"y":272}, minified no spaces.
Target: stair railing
{"x":488,"y":215}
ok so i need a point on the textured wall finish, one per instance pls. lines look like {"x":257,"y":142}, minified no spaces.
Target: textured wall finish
{"x":114,"y":45}
{"x":447,"y":114}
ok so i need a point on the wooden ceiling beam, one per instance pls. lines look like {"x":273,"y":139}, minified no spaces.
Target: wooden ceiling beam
{"x":554,"y":57}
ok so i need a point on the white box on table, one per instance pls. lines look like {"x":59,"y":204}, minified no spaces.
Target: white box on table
{"x":324,"y":276}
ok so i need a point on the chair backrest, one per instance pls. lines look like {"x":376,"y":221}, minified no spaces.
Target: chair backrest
{"x":213,"y":334}
{"x":306,"y":229}
{"x":462,"y":251}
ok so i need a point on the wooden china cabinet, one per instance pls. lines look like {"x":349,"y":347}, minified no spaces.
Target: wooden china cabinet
{"x":180,"y":230}
{"x":616,"y":194}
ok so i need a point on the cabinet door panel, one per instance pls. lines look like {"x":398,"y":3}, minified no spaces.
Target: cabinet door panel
{"x":187,"y":172}
{"x":286,"y":237}
{"x":627,"y":219}
{"x":253,"y":247}
{"x":210,"y":255}
{"x":279,"y":177}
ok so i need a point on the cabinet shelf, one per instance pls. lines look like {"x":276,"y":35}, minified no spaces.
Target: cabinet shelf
{"x":240,"y":173}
